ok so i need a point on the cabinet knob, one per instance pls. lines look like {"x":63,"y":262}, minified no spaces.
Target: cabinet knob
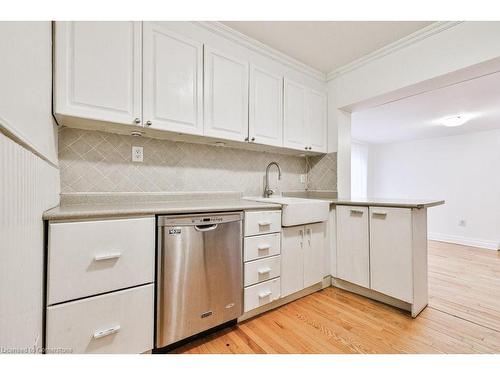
{"x":310,"y":148}
{"x":246,"y":139}
{"x":306,"y":148}
{"x":253,"y":139}
{"x":137,"y":120}
{"x":149,"y":123}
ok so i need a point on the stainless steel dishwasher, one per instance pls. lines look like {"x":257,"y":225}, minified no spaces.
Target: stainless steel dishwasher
{"x":200,"y":274}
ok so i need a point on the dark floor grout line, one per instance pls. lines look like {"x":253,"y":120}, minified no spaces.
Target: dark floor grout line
{"x":461,"y":318}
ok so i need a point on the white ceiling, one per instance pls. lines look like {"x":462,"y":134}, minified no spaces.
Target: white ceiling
{"x":326,"y":45}
{"x":413,"y":118}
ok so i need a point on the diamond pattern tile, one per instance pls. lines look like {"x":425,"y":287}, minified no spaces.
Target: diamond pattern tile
{"x":323,"y":172}
{"x":93,"y":161}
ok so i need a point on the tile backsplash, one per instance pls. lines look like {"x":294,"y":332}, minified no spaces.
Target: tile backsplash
{"x":93,"y":161}
{"x":323,"y":172}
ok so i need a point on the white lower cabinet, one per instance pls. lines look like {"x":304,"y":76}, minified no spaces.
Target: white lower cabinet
{"x":384,"y":249}
{"x":302,"y":257}
{"x":263,"y":246}
{"x":353,"y":247}
{"x":98,"y":256}
{"x":391,"y":252}
{"x":100,"y":285}
{"x":262,"y":260}
{"x":119,"y":322}
{"x":261,"y":270}
{"x":292,"y":260}
{"x":314,"y":253}
{"x":262,"y":222}
{"x":262,"y":294}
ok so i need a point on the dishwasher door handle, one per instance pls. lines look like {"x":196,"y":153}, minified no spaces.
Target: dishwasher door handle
{"x":205,"y":228}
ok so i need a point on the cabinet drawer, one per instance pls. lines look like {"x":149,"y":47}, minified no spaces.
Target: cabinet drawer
{"x":262,"y":222}
{"x":92,"y":257}
{"x":262,"y":246}
{"x":262,"y":270}
{"x":119,"y":322}
{"x":261,"y":294}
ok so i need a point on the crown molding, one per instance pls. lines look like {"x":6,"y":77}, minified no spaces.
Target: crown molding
{"x":417,"y":36}
{"x":247,"y":42}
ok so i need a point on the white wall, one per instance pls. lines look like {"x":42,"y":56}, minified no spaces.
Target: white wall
{"x":29,"y":177}
{"x":359,"y":169}
{"x":463,"y":170}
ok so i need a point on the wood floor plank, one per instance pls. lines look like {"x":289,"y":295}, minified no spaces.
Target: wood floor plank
{"x":463,"y":316}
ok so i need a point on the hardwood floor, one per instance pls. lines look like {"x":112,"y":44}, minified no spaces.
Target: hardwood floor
{"x":463,"y":316}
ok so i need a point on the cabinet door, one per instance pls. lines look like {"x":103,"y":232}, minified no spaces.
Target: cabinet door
{"x":266,"y":108}
{"x":353,"y":252}
{"x":98,"y":71}
{"x":294,"y":116}
{"x":226,"y":96}
{"x":391,"y":252}
{"x":316,"y":124}
{"x":314,"y":253}
{"x":173,"y":70}
{"x":292,"y":260}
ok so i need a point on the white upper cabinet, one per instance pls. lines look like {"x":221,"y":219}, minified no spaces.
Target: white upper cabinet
{"x":162,"y":75}
{"x":305,"y":125}
{"x":294,"y":135}
{"x":173,"y":85}
{"x":266,"y":107}
{"x":225,"y":96}
{"x":316,"y":123}
{"x":98,"y":71}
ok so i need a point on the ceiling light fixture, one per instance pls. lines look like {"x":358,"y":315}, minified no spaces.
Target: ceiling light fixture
{"x":452,"y":121}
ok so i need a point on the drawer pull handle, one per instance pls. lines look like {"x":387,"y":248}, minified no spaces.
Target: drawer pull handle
{"x":107,"y":256}
{"x":357,"y":212}
{"x":265,"y":294}
{"x":263,"y":247}
{"x":264,"y":271}
{"x":379,"y":213}
{"x":106,"y":332}
{"x":264,"y":223}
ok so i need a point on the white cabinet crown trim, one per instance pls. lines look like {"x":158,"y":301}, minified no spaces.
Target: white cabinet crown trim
{"x":252,"y":44}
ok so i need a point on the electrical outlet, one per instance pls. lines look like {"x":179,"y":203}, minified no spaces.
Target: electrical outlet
{"x":303,"y":178}
{"x":462,"y":223}
{"x":137,"y":154}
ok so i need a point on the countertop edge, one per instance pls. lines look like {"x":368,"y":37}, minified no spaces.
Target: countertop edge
{"x":388,"y":204}
{"x":96,"y":212}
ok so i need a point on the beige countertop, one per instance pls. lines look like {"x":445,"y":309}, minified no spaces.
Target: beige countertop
{"x":117,"y":209}
{"x":379,"y":202}
{"x":383,"y":202}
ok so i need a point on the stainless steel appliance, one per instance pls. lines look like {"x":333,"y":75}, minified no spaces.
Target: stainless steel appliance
{"x":200,"y":274}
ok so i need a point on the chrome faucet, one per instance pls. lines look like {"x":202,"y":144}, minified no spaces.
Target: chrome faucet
{"x":267,"y":190}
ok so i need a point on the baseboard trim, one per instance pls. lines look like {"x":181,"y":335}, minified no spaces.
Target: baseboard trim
{"x":372,"y":294}
{"x":474,"y":242}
